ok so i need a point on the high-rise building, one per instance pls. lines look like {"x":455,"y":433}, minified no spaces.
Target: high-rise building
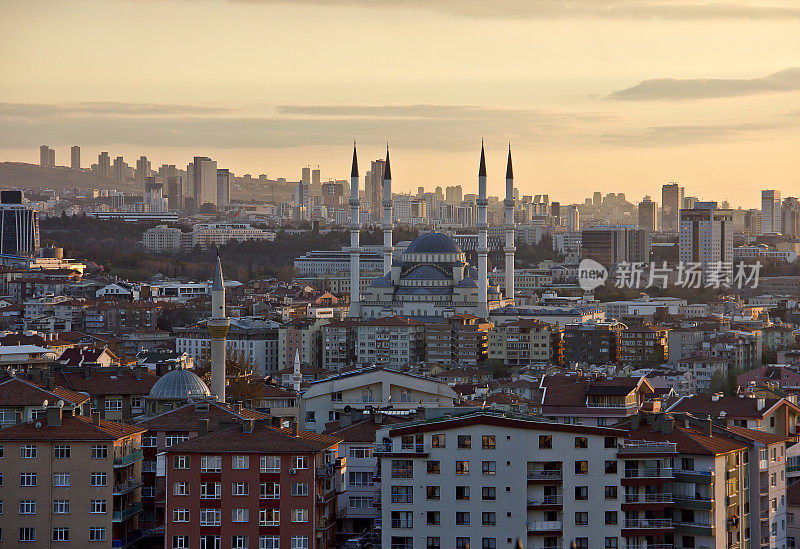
{"x":203,"y":180}
{"x":47,"y":157}
{"x":104,"y":164}
{"x":373,"y":187}
{"x":770,"y":211}
{"x":555,"y":212}
{"x":790,"y":217}
{"x":175,"y":192}
{"x":223,"y":188}
{"x":120,"y":170}
{"x":142,"y":172}
{"x":302,"y":199}
{"x":573,"y":218}
{"x":19,"y":226}
{"x":597,"y":199}
{"x":671,"y":202}
{"x":688,"y":204}
{"x":453,"y":195}
{"x":706,"y":237}
{"x":648,"y":215}
{"x":75,"y":157}
{"x":316,"y":178}
{"x":612,"y":245}
{"x":332,"y":193}
{"x":305,"y":175}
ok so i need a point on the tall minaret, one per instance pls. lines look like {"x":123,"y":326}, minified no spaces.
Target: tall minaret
{"x":218,"y":326}
{"x":387,"y":215}
{"x":355,"y":227}
{"x":483,"y":246}
{"x":510,"y":225}
{"x":297,"y":377}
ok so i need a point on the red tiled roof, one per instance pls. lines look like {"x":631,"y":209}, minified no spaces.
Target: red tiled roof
{"x":18,"y":392}
{"x":261,"y":440}
{"x":187,"y":418}
{"x":75,"y":356}
{"x":108,"y":381}
{"x":734,"y":407}
{"x":690,"y":440}
{"x":364,"y":429}
{"x":71,"y":428}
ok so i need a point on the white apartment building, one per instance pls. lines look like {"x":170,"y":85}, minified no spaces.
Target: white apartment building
{"x":771,"y":212}
{"x":706,"y":237}
{"x":368,"y":388}
{"x":391,"y":341}
{"x":165,"y":239}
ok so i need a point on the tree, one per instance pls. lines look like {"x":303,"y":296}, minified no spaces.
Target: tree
{"x":241,"y":377}
{"x":725,"y":384}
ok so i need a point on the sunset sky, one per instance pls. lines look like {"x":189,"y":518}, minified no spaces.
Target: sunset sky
{"x":620,"y":95}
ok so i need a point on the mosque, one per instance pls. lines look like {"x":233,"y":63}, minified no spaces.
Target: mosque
{"x":431,"y":279}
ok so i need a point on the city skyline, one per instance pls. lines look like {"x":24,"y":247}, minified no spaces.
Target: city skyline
{"x":583,"y":109}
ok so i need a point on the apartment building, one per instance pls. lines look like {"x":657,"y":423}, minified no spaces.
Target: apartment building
{"x":644,"y":345}
{"x":592,"y":342}
{"x":370,"y":388}
{"x":393,"y":341}
{"x":21,"y":401}
{"x":658,"y":481}
{"x":300,"y":336}
{"x":70,"y":479}
{"x":338,"y":342}
{"x":701,"y":369}
{"x":253,"y":486}
{"x":458,"y":340}
{"x":525,"y":341}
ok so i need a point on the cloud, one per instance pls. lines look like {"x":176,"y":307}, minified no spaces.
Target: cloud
{"x":660,"y":89}
{"x":104,"y":108}
{"x":678,"y":135}
{"x":546,"y":9}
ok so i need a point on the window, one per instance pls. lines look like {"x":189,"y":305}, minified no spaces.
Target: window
{"x":581,"y":467}
{"x":98,"y":479}
{"x":172,"y":440}
{"x":433,"y":467}
{"x":611,"y":467}
{"x":240,"y":488}
{"x":360,"y":452}
{"x":545,"y":442}
{"x":101,"y":452}
{"x":462,"y":467}
{"x":181,"y":462}
{"x":581,"y":518}
{"x":28,"y":451}
{"x":269,"y":542}
{"x":489,"y":543}
{"x":462,"y":518}
{"x":269,"y":517}
{"x":488,"y":467}
{"x":462,"y":492}
{"x":360,"y":478}
{"x":402,"y":494}
{"x":137,"y":402}
{"x":581,"y":442}
{"x":300,"y":462}
{"x":240,"y":515}
{"x":433,"y":518}
{"x":611,"y":492}
{"x":210,"y":464}
{"x":432,"y":492}
{"x":97,"y":533}
{"x":210,"y":490}
{"x":149,"y":441}
{"x":97,"y":506}
{"x":27,"y":534}
{"x":687,"y":464}
{"x":210,"y":517}
{"x":360,"y":503}
{"x":402,"y":519}
{"x":27,"y":479}
{"x":240,"y":462}
{"x":611,"y":517}
{"x":611,"y":543}
{"x":270,"y":490}
{"x":581,"y":493}
{"x":61,"y":479}
{"x":687,"y":541}
{"x":433,"y":543}
{"x":581,"y":543}
{"x":299,"y":489}
{"x":299,"y":515}
{"x":438,"y":441}
{"x":113,"y":404}
{"x":180,"y":542}
{"x":462,"y":543}
{"x":239,"y":542}
{"x":402,"y":468}
{"x":60,"y":533}
{"x":180,"y":515}
{"x":60,"y":506}
{"x":27,"y":507}
{"x":299,"y":542}
{"x":489,"y":518}
{"x":464,"y":442}
{"x":270,"y":464}
{"x":180,"y":489}
{"x":488,"y":442}
{"x":489,"y":493}
{"x":61,"y":451}
{"x":610,"y":442}
{"x":210,"y":542}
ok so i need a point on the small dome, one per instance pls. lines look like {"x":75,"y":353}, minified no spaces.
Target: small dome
{"x":433,"y":243}
{"x":384,"y":281}
{"x":425,"y":272}
{"x":179,"y":384}
{"x":467,"y":283}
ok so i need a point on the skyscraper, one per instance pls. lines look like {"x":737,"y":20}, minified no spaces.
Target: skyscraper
{"x":175,"y":192}
{"x":203,"y":180}
{"x":671,"y":202}
{"x":614,"y":244}
{"x":223,"y":188}
{"x":373,"y":187}
{"x":573,"y":218}
{"x":648,"y":214}
{"x":790,"y":217}
{"x":706,"y":237}
{"x":120,"y":170}
{"x":104,"y":164}
{"x":142,"y":172}
{"x":19,"y":226}
{"x":453,"y":195}
{"x":75,"y":157}
{"x":47,"y":157}
{"x":597,"y":199}
{"x":770,"y":211}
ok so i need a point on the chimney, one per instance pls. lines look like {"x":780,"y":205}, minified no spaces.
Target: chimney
{"x":96,"y":418}
{"x":666,"y":426}
{"x":137,"y":372}
{"x":87,"y":371}
{"x":247,"y":426}
{"x":49,"y":383}
{"x":202,"y":427}
{"x":707,"y":423}
{"x":293,"y":426}
{"x":715,"y":397}
{"x":635,"y":422}
{"x":237,"y":407}
{"x":54,"y":416}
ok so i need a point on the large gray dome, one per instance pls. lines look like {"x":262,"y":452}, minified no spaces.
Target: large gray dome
{"x":433,"y":243}
{"x":179,"y":384}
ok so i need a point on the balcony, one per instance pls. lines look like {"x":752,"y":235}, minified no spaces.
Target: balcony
{"x":650,"y":546}
{"x":131,"y":538}
{"x":665,"y":497}
{"x":686,"y":501}
{"x":648,"y":524}
{"x":544,"y":526}
{"x":556,"y":546}
{"x":554,"y":476}
{"x":128,"y":458}
{"x":649,"y":472}
{"x":545,"y":501}
{"x":628,"y":447}
{"x":389,"y":448}
{"x":126,"y":487}
{"x":149,"y":492}
{"x":698,"y":476}
{"x":127,"y":513}
{"x":695,"y":528}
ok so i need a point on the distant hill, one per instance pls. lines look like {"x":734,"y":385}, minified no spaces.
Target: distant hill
{"x":30,"y":176}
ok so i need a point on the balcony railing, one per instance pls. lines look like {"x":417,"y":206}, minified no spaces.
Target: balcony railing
{"x":387,"y":448}
{"x":128,"y":512}
{"x":125,"y":487}
{"x":556,"y":546}
{"x":127,"y":459}
{"x":649,"y":472}
{"x":544,"y":525}
{"x":706,"y":472}
{"x":648,"y":498}
{"x":695,"y":524}
{"x":648,"y":523}
{"x":695,"y":497}
{"x":650,"y":546}
{"x":546,"y":500}
{"x":649,"y":446}
{"x":544,"y":475}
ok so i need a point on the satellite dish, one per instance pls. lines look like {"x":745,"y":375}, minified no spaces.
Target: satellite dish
{"x":348,"y":409}
{"x":45,"y":403}
{"x":60,"y":404}
{"x":38,"y":425}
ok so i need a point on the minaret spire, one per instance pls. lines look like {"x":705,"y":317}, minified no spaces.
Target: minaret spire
{"x":355,"y":248}
{"x":388,"y":223}
{"x":510,"y":228}
{"x":218,"y":326}
{"x":483,"y":239}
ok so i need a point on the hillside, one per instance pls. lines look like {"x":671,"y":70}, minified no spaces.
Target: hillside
{"x":30,"y":176}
